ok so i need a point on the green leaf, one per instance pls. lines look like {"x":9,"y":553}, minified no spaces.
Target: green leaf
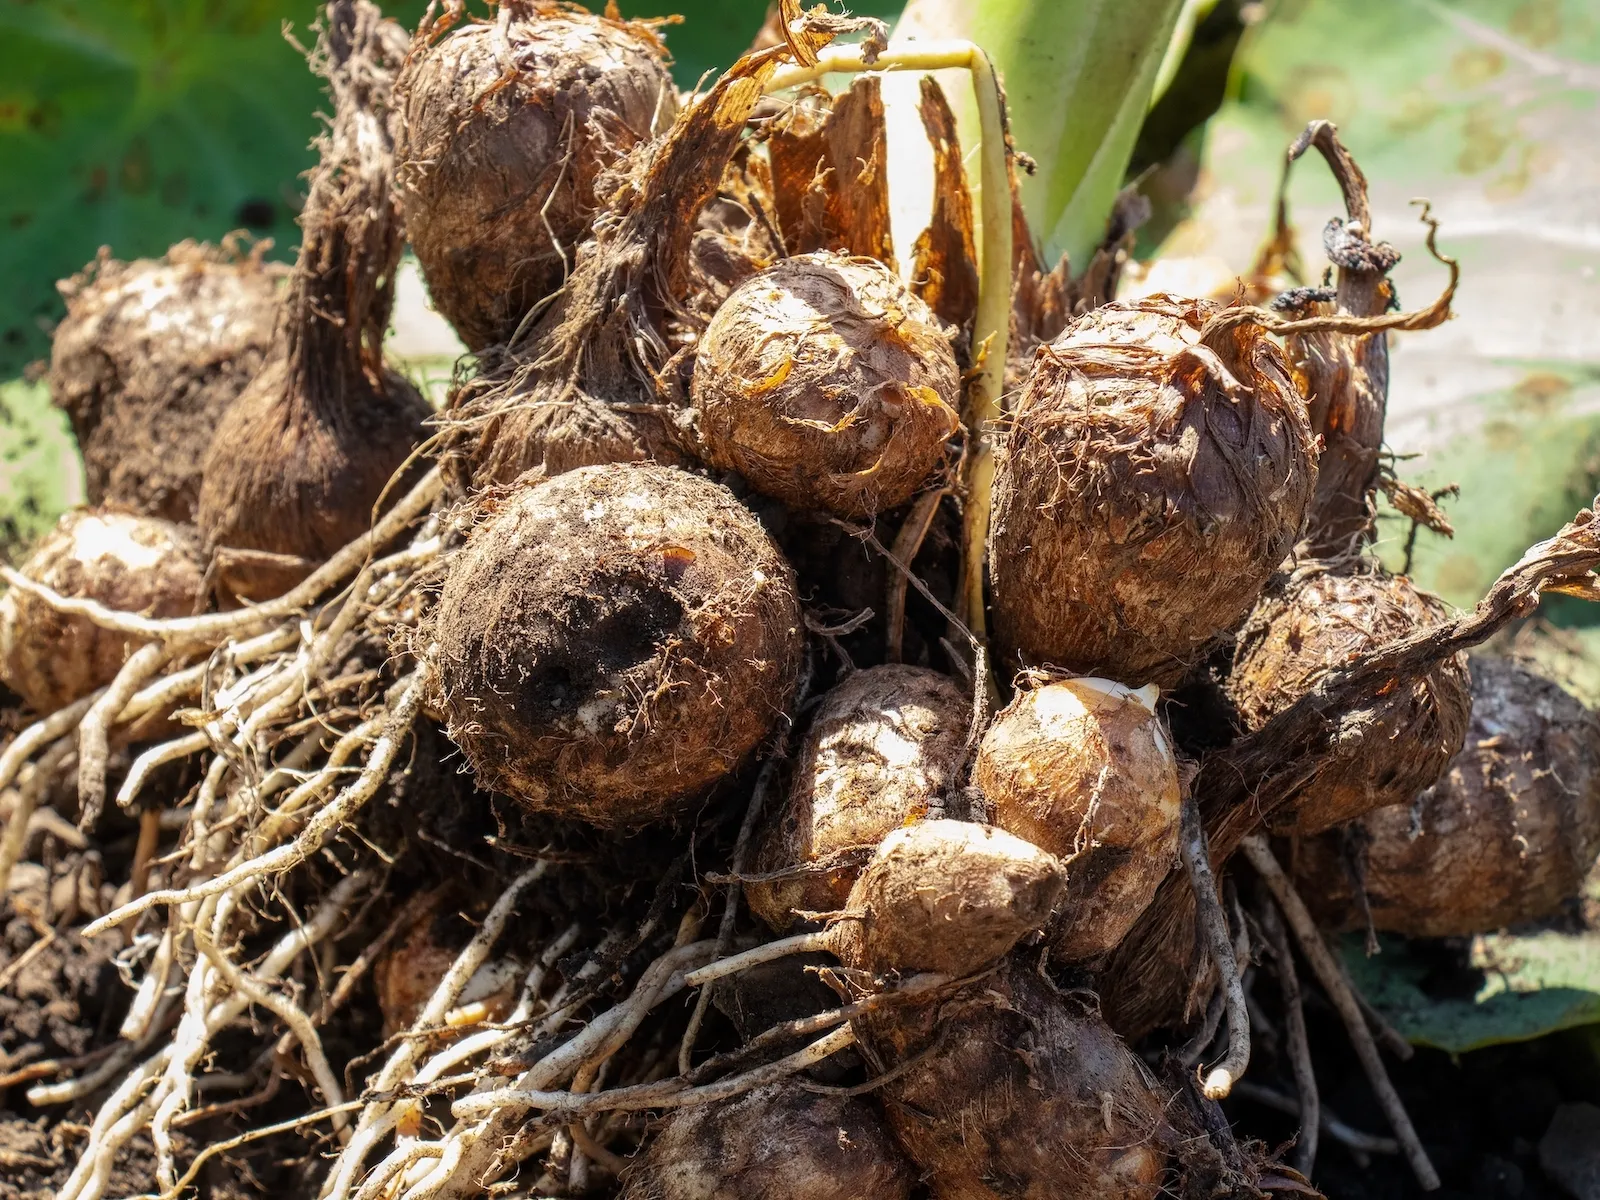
{"x":1491,"y":108}
{"x":40,"y":474}
{"x":1532,"y":985}
{"x":1078,"y":80}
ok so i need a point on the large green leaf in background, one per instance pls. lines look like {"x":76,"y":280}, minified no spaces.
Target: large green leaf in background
{"x":1491,"y":108}
{"x":134,"y":123}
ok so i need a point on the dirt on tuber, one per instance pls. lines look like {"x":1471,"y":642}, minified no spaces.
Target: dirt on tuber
{"x":884,"y":748}
{"x":826,"y":383}
{"x":780,"y":1140}
{"x":1317,"y":619}
{"x":1506,"y":835}
{"x":150,"y":356}
{"x":509,"y":125}
{"x":128,"y":562}
{"x":1126,"y":535}
{"x":1084,"y":769}
{"x":614,"y":640}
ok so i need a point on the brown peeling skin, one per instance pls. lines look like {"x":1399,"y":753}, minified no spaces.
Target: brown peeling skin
{"x":775,"y":1141}
{"x":1020,"y":1092}
{"x":615,"y":639}
{"x":829,"y":167}
{"x":508,"y":126}
{"x":826,"y":383}
{"x":126,"y":562}
{"x":884,"y":747}
{"x":1322,"y":617}
{"x":1146,"y":489}
{"x":302,"y":457}
{"x":149,"y":357}
{"x":945,"y":258}
{"x":1084,"y":768}
{"x":949,"y":897}
{"x":1507,"y":834}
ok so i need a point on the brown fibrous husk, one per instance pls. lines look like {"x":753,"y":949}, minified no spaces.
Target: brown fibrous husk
{"x":949,"y":897}
{"x":509,"y":126}
{"x":1320,"y":617}
{"x":1013,"y":1090}
{"x":1506,"y":835}
{"x":615,"y":639}
{"x":779,"y":1140}
{"x":1147,"y":486}
{"x":826,"y":383}
{"x":884,"y":748}
{"x":1084,"y":768}
{"x":305,"y":453}
{"x":125,"y":561}
{"x":150,"y":356}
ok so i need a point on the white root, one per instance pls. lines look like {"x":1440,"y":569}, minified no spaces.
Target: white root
{"x":156,"y":756}
{"x":212,"y":628}
{"x":800,"y":943}
{"x":28,"y":793}
{"x":94,"y":731}
{"x":1343,"y":998}
{"x":1218,"y":1082}
{"x":40,"y":734}
{"x":317,"y":831}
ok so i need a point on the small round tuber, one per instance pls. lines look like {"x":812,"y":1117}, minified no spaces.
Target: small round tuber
{"x":147,"y":360}
{"x":508,"y":126}
{"x":948,"y":897}
{"x":883,"y":748}
{"x":615,"y":639}
{"x":826,"y":383}
{"x":1506,"y":835}
{"x":1083,"y":768}
{"x":779,"y":1140}
{"x":128,"y":562}
{"x":408,"y":973}
{"x":1316,"y":620}
{"x":1148,"y":486}
{"x":1015,"y":1091}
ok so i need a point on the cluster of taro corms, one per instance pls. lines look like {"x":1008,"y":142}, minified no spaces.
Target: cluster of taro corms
{"x":732,"y":750}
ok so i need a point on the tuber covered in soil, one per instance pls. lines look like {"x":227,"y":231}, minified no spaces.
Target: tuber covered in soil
{"x":884,"y":748}
{"x":1084,"y":768}
{"x":307,"y":451}
{"x":149,"y":357}
{"x":1012,"y":1089}
{"x":615,"y":639}
{"x":1506,"y":835}
{"x":509,"y":125}
{"x":140,"y":564}
{"x":826,"y":383}
{"x":1127,"y":533}
{"x":779,"y":1140}
{"x":1316,"y":620}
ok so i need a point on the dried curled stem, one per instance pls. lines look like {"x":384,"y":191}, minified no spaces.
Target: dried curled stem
{"x":1219,"y":1080}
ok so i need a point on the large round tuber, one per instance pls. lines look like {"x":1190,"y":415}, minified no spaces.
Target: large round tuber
{"x":948,"y":897}
{"x":883,"y":749}
{"x":779,"y":1140}
{"x":1507,"y":835}
{"x":1318,"y":619}
{"x":1015,"y":1091}
{"x":1084,"y":768}
{"x":138,"y":564}
{"x":149,"y":357}
{"x":615,"y":639}
{"x":1149,"y":484}
{"x":306,"y":452}
{"x":508,"y":126}
{"x":826,"y":383}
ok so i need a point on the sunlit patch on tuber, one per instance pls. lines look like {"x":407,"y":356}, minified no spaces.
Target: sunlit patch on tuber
{"x":883,"y":749}
{"x":826,"y":383}
{"x":1084,"y":769}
